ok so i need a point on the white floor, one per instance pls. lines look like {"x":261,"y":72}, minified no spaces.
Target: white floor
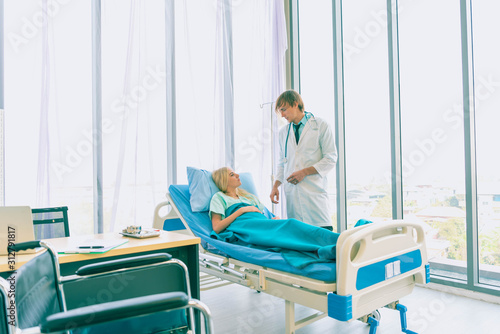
{"x":239,"y":310}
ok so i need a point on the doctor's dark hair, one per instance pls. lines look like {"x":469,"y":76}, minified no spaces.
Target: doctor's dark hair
{"x":289,"y":97}
{"x":220,"y":177}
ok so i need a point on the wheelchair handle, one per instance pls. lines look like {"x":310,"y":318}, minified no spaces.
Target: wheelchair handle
{"x":25,"y":245}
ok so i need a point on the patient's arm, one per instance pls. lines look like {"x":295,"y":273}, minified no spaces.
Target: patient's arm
{"x":219,"y":224}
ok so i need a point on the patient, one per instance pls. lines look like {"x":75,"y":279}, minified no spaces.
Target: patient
{"x":237,"y":217}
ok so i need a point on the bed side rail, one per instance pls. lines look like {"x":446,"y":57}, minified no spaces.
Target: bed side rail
{"x":175,"y":220}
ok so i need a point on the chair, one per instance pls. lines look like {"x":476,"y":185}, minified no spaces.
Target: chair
{"x":50,"y":222}
{"x":4,"y":307}
{"x":41,"y":307}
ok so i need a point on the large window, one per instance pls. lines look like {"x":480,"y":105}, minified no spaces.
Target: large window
{"x":432,"y":130}
{"x":367,"y":112}
{"x":487,"y":102}
{"x":316,"y":71}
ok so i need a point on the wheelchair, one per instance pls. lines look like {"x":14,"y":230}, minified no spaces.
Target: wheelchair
{"x":33,"y":300}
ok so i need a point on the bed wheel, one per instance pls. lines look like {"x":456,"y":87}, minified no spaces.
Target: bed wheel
{"x":376,"y":315}
{"x":374,"y":321}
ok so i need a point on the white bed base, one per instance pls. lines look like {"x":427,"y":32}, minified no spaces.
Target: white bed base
{"x":356,"y":248}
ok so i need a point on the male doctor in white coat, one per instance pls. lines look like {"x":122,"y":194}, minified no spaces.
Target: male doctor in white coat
{"x":307,"y":155}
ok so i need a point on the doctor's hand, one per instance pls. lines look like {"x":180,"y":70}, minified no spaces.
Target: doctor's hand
{"x":296,"y":177}
{"x":275,"y":195}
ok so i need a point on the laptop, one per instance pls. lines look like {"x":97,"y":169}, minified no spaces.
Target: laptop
{"x":16,"y":226}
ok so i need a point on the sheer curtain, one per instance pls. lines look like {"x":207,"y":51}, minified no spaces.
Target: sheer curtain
{"x":223,"y":86}
{"x":43,"y":178}
{"x":274,"y":67}
{"x":134,"y":118}
{"x":48,"y":80}
{"x":47,"y":107}
{"x":204,"y":85}
{"x":194,"y":67}
{"x":229,"y":62}
{"x":260,"y":43}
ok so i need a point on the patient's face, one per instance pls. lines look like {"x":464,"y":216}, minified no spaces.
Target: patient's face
{"x":233,"y":179}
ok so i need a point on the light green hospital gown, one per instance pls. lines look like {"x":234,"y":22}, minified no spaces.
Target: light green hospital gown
{"x":220,"y":202}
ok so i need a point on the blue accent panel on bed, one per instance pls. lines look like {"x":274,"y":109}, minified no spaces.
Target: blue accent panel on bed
{"x":339,"y":307}
{"x":380,"y":271}
{"x":427,"y":274}
{"x":174,"y":224}
{"x":200,"y":224}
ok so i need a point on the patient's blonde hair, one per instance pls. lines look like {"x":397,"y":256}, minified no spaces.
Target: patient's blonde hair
{"x":220,"y":177}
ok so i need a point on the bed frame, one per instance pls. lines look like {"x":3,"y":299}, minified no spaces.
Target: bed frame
{"x":377,"y":264}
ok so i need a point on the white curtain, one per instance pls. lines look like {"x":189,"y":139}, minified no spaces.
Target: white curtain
{"x":200,"y":30}
{"x":128,"y":137}
{"x":54,"y":91}
{"x":48,"y":146}
{"x":134,"y":117}
{"x":43,"y":177}
{"x":274,"y":68}
{"x":223,"y":87}
{"x":260,"y":43}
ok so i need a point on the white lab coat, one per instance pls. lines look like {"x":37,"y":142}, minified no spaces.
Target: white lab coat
{"x":308,"y":200}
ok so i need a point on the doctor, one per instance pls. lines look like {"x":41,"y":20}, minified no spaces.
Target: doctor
{"x":307,"y":154}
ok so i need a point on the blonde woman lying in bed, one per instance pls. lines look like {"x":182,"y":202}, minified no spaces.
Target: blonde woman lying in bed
{"x":228,"y":182}
{"x":237,"y":217}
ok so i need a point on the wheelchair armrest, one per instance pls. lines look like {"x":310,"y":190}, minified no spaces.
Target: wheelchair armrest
{"x":116,"y":310}
{"x":130,"y":262}
{"x":25,"y":245}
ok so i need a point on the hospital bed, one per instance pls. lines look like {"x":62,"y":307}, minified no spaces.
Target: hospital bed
{"x":377,"y":264}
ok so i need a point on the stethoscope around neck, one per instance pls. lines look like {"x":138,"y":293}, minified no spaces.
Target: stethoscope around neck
{"x":288,"y":134}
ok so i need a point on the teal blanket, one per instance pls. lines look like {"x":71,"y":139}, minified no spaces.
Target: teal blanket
{"x":299,"y":243}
